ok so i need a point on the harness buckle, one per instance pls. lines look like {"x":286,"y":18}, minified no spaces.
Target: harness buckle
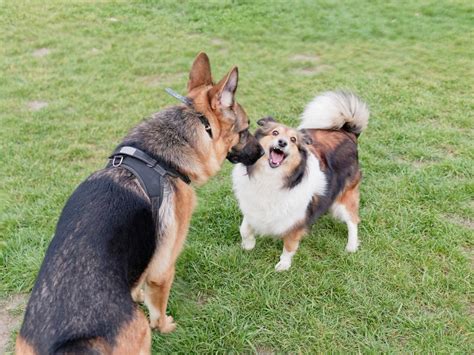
{"x":117,"y":161}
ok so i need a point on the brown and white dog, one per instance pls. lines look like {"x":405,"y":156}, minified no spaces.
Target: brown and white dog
{"x":112,"y":237}
{"x":304,"y":173}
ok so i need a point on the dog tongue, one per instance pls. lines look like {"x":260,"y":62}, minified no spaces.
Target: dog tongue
{"x":276,"y":157}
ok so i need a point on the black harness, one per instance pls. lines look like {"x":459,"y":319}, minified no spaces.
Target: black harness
{"x":147,"y":170}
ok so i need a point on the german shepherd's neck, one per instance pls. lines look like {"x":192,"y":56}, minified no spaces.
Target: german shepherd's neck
{"x":177,"y":137}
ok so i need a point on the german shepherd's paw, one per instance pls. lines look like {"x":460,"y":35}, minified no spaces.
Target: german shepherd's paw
{"x":164,"y":325}
{"x":138,"y":295}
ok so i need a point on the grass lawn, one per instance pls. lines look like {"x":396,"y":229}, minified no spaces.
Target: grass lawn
{"x":75,"y":78}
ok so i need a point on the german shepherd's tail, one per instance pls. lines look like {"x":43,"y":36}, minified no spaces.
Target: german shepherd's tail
{"x":336,"y":110}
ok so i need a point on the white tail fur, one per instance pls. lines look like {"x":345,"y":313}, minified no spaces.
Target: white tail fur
{"x":335,"y":110}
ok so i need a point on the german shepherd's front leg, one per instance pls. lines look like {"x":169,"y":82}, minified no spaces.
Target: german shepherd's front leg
{"x":174,"y":223}
{"x":156,"y":298}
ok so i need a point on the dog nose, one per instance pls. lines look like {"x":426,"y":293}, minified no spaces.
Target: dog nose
{"x":282,"y":143}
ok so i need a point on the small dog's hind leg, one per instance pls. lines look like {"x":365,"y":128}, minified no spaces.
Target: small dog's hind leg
{"x":248,"y":235}
{"x":291,"y":242}
{"x":346,"y":209}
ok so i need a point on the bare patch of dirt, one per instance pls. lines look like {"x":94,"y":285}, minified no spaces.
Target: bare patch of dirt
{"x":305,"y":58}
{"x":36,"y":105}
{"x":11,"y":313}
{"x":312,"y":70}
{"x":202,"y":300}
{"x":461,"y":221}
{"x":217,"y":41}
{"x":113,"y":19}
{"x":263,"y":350}
{"x":41,"y":52}
{"x":416,"y":163}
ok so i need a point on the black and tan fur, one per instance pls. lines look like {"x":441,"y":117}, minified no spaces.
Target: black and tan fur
{"x":111,"y":239}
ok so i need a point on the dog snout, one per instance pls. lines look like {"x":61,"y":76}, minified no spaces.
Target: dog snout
{"x":282,"y":143}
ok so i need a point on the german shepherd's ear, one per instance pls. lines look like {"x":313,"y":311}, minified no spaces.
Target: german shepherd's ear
{"x":265,"y":120}
{"x":223,"y":93}
{"x":306,"y":137}
{"x":200,"y":73}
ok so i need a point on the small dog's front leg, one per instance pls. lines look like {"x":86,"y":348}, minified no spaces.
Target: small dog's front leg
{"x":291,"y":241}
{"x":248,"y":235}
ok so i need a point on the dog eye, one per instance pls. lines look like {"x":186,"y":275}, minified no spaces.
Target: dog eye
{"x":275,"y":133}
{"x":293,"y":139}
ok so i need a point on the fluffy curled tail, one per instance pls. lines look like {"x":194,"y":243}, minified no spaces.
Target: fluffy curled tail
{"x":336,"y":110}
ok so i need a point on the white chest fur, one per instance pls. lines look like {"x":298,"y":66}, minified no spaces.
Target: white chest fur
{"x":269,"y":207}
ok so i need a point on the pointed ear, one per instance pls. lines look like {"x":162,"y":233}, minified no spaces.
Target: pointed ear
{"x":223,"y":93}
{"x":200,"y":73}
{"x":265,"y":120}
{"x":306,"y":137}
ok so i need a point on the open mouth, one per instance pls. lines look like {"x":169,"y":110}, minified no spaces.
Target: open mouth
{"x":276,"y":157}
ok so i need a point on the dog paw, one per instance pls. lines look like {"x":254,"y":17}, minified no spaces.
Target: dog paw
{"x":248,"y":244}
{"x":138,"y":296}
{"x":166,"y":325}
{"x":282,"y":266}
{"x":352,"y":248}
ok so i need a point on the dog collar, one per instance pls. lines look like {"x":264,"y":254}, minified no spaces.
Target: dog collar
{"x":147,"y":170}
{"x":189,"y":102}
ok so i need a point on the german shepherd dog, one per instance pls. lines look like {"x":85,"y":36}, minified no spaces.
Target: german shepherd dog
{"x":112,"y":238}
{"x":305,"y":173}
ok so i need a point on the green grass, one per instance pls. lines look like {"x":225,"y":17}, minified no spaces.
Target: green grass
{"x":408,"y":289}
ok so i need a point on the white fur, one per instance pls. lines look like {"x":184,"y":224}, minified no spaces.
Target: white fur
{"x":267,"y":206}
{"x":340,"y":212}
{"x":333,"y":109}
{"x":285,"y":260}
{"x":248,"y":236}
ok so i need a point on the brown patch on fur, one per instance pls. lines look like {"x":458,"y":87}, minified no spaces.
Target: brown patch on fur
{"x":22,"y":347}
{"x":133,"y":338}
{"x":350,"y":197}
{"x":291,"y":240}
{"x":326,"y":141}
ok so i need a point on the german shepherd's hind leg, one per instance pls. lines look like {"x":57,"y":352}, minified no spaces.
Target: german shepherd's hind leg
{"x":157,"y":292}
{"x":138,"y":294}
{"x":133,"y":338}
{"x":248,"y":235}
{"x":291,"y":242}
{"x":346,"y":209}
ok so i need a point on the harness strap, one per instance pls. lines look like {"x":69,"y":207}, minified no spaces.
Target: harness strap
{"x":147,"y":170}
{"x":160,"y":167}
